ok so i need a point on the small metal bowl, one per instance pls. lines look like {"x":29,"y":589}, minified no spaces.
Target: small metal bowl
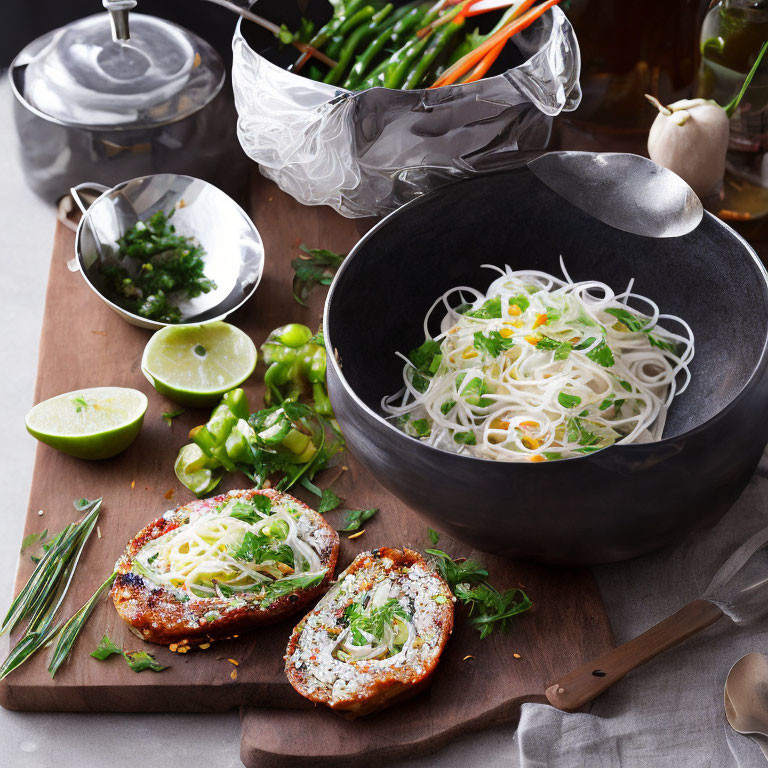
{"x":234,"y":250}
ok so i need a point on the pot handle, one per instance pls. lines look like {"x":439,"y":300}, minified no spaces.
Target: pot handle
{"x":74,"y":191}
{"x":73,"y":264}
{"x":590,"y":680}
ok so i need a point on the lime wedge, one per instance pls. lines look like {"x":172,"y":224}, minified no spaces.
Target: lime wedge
{"x":93,"y":423}
{"x":194,"y":365}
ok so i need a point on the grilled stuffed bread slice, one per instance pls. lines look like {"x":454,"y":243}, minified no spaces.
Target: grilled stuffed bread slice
{"x":375,"y":637}
{"x":220,"y":566}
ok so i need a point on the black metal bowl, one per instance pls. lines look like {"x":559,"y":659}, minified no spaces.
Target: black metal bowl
{"x":611,"y":505}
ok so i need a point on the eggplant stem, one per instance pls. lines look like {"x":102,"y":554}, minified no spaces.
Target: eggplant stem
{"x":656,"y":103}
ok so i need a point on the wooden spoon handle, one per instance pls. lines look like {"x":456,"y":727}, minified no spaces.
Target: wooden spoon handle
{"x":590,"y":680}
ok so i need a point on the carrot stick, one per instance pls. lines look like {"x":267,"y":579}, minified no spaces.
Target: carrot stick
{"x":485,"y":64}
{"x":524,"y":6}
{"x":466,"y":63}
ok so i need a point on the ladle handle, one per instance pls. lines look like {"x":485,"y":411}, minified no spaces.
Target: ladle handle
{"x":590,"y":680}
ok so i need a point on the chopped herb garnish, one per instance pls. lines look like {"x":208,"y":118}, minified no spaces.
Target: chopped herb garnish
{"x":138,"y":661}
{"x":32,"y":539}
{"x":426,"y":360}
{"x":561,"y":348}
{"x":154,"y":265}
{"x":601,"y":354}
{"x":632,"y":322}
{"x":488,"y":310}
{"x":434,"y":536}
{"x":422,"y":427}
{"x":356,"y":517}
{"x":568,"y":401}
{"x":328,"y":501}
{"x":494,"y":343}
{"x":80,"y":403}
{"x":447,"y":407}
{"x":488,"y":608}
{"x":169,"y":416}
{"x":465,"y":438}
{"x":316,"y":266}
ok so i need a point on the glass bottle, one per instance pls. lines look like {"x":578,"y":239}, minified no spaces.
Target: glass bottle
{"x":731,"y":37}
{"x":628,"y":49}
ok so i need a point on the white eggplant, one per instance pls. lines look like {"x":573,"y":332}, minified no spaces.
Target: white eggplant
{"x":690,"y":137}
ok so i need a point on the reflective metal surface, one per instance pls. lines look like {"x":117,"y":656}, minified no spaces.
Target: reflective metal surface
{"x":234,"y":251}
{"x":746,"y":698}
{"x":628,"y":192}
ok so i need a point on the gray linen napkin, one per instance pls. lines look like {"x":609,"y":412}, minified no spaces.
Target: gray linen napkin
{"x":670,"y":711}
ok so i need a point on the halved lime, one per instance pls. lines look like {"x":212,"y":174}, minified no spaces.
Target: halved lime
{"x":195,"y":365}
{"x":93,"y":423}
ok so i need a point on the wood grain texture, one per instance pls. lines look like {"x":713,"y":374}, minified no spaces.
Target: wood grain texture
{"x":85,"y":344}
{"x":587,"y":682}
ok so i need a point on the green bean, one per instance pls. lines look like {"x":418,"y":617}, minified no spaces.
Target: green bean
{"x":407,"y":19}
{"x":438,"y":46}
{"x":352,"y":22}
{"x":401,"y":60}
{"x":374,"y":78}
{"x":359,"y":35}
{"x":322,"y":36}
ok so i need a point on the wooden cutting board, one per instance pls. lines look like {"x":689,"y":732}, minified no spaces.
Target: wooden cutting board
{"x":85,"y":344}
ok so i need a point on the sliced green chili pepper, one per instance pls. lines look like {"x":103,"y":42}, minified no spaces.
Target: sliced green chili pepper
{"x":196,"y":471}
{"x":296,"y":364}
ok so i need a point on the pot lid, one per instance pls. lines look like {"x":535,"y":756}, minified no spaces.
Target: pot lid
{"x":78,"y":74}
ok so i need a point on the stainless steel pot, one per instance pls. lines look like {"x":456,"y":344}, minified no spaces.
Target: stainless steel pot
{"x":87,"y":106}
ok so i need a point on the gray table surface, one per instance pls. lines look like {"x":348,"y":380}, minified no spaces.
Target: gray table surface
{"x":651,"y":737}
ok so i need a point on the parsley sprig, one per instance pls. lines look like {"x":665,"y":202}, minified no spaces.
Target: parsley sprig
{"x":315,"y":266}
{"x":138,"y":661}
{"x":489,"y":609}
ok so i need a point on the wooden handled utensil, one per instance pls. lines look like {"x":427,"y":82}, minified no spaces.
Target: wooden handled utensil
{"x":734,"y":592}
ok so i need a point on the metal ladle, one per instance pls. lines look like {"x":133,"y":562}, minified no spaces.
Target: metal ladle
{"x":627,"y":192}
{"x":746,"y":698}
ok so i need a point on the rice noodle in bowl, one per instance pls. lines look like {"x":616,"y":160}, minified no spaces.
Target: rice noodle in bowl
{"x":540,"y":368}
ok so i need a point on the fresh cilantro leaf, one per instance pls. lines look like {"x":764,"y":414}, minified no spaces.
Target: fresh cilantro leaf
{"x":328,"y":501}
{"x":260,"y":548}
{"x":422,"y":427}
{"x":561,"y":348}
{"x":106,"y":648}
{"x":472,"y":392}
{"x":578,"y":433}
{"x":626,"y":385}
{"x":630,"y":320}
{"x":169,"y":416}
{"x":494,"y":343}
{"x":138,"y":661}
{"x":465,"y":438}
{"x":490,"y":309}
{"x":315,"y":266}
{"x":552,"y":456}
{"x":434,"y":536}
{"x":568,"y":401}
{"x":426,"y":360}
{"x":447,"y":407}
{"x":355,"y":518}
{"x":607,"y":403}
{"x":32,"y":539}
{"x":469,"y":571}
{"x":602,"y":355}
{"x":655,"y":341}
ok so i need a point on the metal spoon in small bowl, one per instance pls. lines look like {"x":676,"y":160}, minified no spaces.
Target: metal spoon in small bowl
{"x":746,"y":698}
